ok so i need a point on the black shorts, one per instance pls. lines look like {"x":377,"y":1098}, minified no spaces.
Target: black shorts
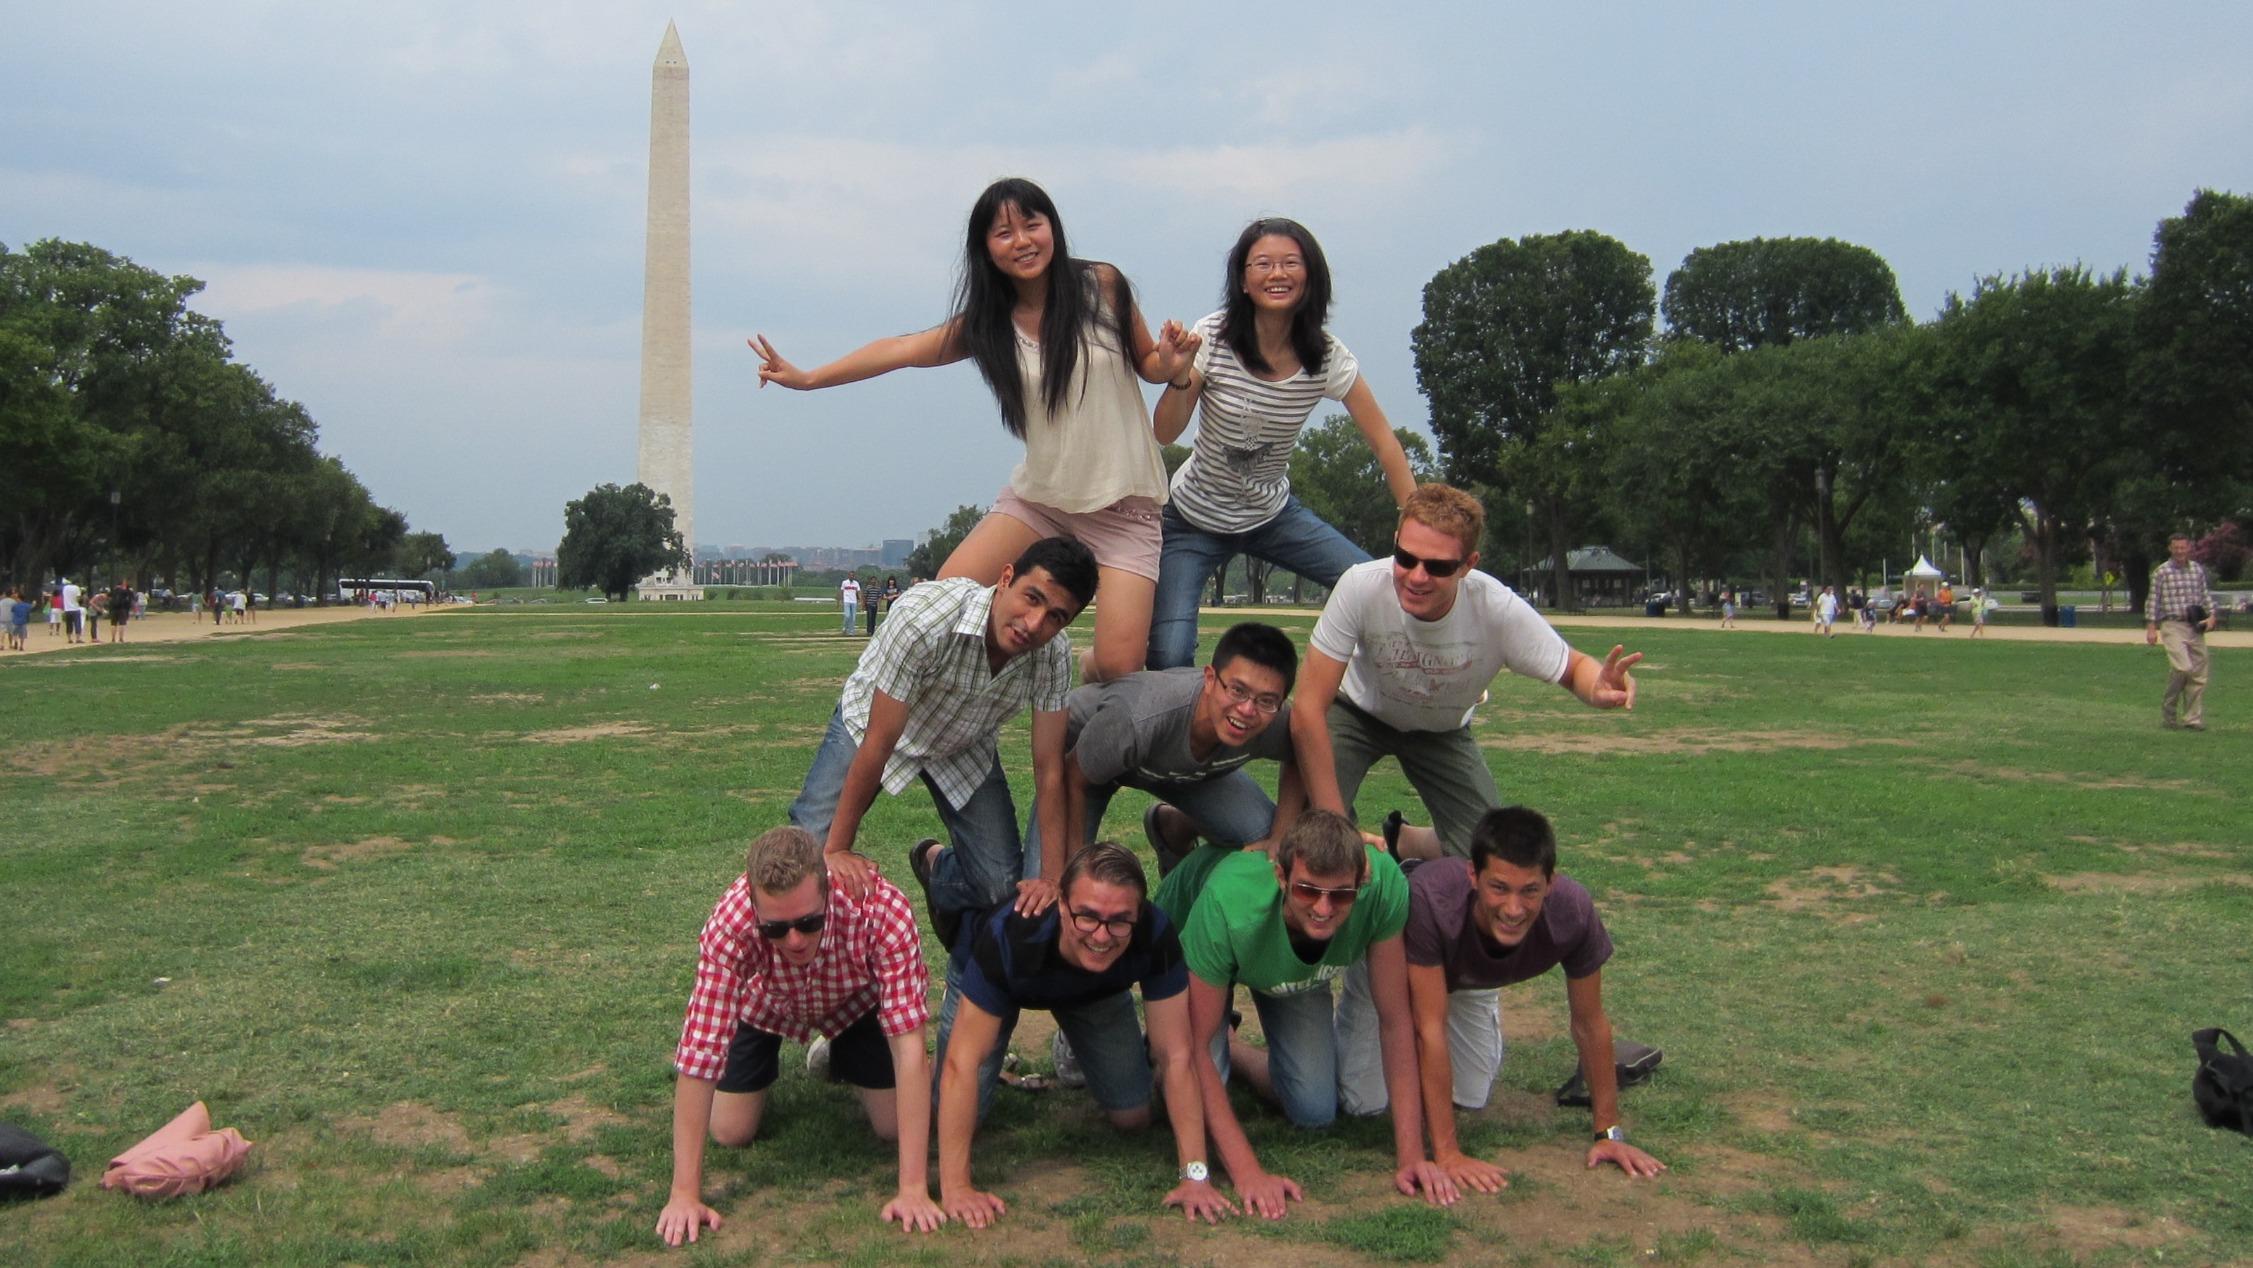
{"x":860,"y":1056}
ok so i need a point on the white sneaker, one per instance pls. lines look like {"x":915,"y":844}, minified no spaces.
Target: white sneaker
{"x":817,"y":1059}
{"x":1060,"y":1055}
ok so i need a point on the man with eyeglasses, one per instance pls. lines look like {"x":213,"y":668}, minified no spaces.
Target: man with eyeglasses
{"x":1406,"y":648}
{"x":1284,"y":927}
{"x":1079,"y":959}
{"x":1503,"y":916}
{"x":785,"y":955}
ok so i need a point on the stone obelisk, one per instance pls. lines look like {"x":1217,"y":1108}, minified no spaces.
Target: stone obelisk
{"x":667,"y":407}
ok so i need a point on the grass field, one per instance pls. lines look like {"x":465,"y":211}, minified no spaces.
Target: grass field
{"x":1923,"y":927}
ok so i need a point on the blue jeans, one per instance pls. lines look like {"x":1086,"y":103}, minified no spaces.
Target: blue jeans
{"x":1230,"y":810}
{"x":987,"y":855}
{"x":851,"y":610}
{"x":1105,"y":1034}
{"x":1302,"y":1052}
{"x":1296,"y":539}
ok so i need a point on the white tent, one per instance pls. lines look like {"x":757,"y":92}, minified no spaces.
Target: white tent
{"x":1923,"y":574}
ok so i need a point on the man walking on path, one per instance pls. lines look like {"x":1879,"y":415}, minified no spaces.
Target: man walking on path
{"x":849,"y":598}
{"x":74,"y":612}
{"x":2177,"y":616}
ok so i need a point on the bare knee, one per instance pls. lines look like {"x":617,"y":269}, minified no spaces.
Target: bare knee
{"x":735,"y":1135}
{"x":1129,"y":1120}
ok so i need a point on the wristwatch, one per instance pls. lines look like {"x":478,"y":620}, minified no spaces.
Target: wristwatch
{"x":1613,"y":1132}
{"x":1194,"y":1172}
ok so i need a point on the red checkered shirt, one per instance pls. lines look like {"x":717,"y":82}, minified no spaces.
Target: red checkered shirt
{"x":2174,"y":589}
{"x":871,"y":957}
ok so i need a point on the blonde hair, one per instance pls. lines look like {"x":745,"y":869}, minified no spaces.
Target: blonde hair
{"x":1448,"y":510}
{"x":782,"y":858}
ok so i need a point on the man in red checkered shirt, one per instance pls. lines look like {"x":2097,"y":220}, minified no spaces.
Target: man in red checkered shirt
{"x":786,"y":956}
{"x":2178,"y":614}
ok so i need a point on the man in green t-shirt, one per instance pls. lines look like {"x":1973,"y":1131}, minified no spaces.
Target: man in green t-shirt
{"x":1284,"y":928}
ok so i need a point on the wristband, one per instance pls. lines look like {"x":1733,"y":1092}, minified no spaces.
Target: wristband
{"x":1613,"y":1132}
{"x":1182,"y":386}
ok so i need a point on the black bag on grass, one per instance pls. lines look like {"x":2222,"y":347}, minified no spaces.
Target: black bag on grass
{"x":2223,"y":1086}
{"x":29,"y":1166}
{"x":1635,"y":1061}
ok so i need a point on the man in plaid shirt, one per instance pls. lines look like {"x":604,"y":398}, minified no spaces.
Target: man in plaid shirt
{"x":2178,"y":586}
{"x":954,"y":660}
{"x":785,"y":956}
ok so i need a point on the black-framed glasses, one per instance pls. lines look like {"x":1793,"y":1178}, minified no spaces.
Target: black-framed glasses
{"x":1238,"y":695}
{"x":1309,"y":892}
{"x":777,"y":930}
{"x":1116,"y":926}
{"x":1436,"y":568}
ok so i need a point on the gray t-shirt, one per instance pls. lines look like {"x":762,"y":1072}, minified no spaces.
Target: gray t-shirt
{"x":1135,"y":731}
{"x":1440,"y":931}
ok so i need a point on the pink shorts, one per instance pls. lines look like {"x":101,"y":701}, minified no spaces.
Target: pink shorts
{"x":1124,"y":535}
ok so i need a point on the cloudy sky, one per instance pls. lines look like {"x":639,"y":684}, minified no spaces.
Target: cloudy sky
{"x":425,"y":220}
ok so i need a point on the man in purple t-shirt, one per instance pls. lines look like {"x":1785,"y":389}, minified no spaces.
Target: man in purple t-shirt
{"x":1474,"y":927}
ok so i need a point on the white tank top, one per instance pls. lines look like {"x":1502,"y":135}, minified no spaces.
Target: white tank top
{"x":1099,"y":447}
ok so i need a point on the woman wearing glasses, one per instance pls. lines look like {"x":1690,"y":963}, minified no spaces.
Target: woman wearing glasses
{"x":1264,"y":363}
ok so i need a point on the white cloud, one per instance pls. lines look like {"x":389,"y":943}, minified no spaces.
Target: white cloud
{"x":427,"y":310}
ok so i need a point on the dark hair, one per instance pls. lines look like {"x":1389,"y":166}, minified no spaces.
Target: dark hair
{"x":1263,"y":645}
{"x":1307,"y":319}
{"x":1517,"y":835}
{"x":1326,"y":842}
{"x":1066,"y":560}
{"x":1109,"y":863}
{"x":2177,"y":537}
{"x":984,"y":299}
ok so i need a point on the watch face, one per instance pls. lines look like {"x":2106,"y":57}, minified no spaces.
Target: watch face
{"x":1194,"y":1171}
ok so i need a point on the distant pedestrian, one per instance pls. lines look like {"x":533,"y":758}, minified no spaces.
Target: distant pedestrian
{"x":250,"y":605}
{"x":55,"y":611}
{"x":74,"y":613}
{"x":2177,"y":615}
{"x":96,"y":605}
{"x":869,"y":593}
{"x":1979,"y":602}
{"x":19,"y":620}
{"x":849,"y":598}
{"x":1826,"y":613}
{"x":1729,"y":609}
{"x":1947,"y":604}
{"x":121,"y":608}
{"x":217,"y":606}
{"x":241,"y":605}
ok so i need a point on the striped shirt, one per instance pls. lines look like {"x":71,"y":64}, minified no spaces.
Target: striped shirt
{"x":2174,"y":590}
{"x":930,"y":654}
{"x":1238,"y":473}
{"x":871,"y":957}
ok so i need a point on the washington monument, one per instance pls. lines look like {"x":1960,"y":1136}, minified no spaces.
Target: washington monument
{"x":668,"y":434}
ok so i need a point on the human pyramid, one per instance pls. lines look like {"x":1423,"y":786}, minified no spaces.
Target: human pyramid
{"x":1421,"y":927}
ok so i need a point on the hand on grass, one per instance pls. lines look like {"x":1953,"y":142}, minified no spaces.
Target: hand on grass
{"x":1431,"y":1179}
{"x":1198,"y":1199}
{"x":973,"y":1207}
{"x":1626,"y":1157}
{"x":915,"y":1211}
{"x":683,"y":1218}
{"x":1269,"y":1196}
{"x":1472,"y":1173}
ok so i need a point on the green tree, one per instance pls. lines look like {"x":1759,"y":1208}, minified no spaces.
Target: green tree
{"x":1505,"y":328}
{"x":930,"y":553}
{"x":1763,"y":292}
{"x":613,"y":537}
{"x":425,"y":555}
{"x":2034,"y":373}
{"x":492,"y":570}
{"x":1334,"y":473}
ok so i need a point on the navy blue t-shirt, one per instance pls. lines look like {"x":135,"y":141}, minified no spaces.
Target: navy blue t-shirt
{"x":1015,"y":962}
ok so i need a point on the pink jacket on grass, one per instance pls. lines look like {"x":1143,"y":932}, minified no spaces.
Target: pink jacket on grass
{"x":183,"y":1156}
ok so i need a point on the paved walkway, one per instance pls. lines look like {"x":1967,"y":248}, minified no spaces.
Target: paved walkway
{"x":1803,"y":628}
{"x":179,"y":627}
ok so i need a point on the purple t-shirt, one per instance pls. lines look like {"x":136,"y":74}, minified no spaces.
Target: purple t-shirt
{"x":1440,"y":931}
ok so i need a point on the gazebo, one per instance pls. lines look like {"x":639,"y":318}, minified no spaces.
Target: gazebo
{"x":1923,"y":574}
{"x":1600,"y":576}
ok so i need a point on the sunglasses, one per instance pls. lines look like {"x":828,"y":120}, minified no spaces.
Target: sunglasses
{"x":1435,"y":568}
{"x":1309,"y":892}
{"x":777,"y":930}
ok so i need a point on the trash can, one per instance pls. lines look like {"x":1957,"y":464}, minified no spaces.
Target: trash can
{"x":1654,"y":607}
{"x":2068,"y":616}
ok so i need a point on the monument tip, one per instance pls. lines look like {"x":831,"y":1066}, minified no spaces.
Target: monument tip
{"x":669,"y":51}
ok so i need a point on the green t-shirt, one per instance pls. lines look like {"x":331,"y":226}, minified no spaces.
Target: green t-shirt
{"x":1230,"y":910}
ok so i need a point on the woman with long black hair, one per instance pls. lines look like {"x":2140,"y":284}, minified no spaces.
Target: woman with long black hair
{"x":1062,"y":344}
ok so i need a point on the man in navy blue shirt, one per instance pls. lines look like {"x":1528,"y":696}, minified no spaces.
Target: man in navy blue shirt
{"x":1079,"y":959}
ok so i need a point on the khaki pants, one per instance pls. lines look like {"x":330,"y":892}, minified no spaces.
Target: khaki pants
{"x":2186,"y":679}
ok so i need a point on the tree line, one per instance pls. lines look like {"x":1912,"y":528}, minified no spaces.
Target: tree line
{"x":135,"y":443}
{"x":1790,"y":413}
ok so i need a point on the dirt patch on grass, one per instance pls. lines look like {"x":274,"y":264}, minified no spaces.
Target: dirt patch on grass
{"x":326,"y":858}
{"x":2085,"y":1230}
{"x":1818,"y":889}
{"x":446,"y":653}
{"x":40,"y":1100}
{"x":1683,"y":742}
{"x":583,"y":1118}
{"x":581,"y":734}
{"x":507,"y":697}
{"x":287,"y":731}
{"x":2135,"y":882}
{"x":410,"y":1125}
{"x":2078,"y":779}
{"x":292,"y":665}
